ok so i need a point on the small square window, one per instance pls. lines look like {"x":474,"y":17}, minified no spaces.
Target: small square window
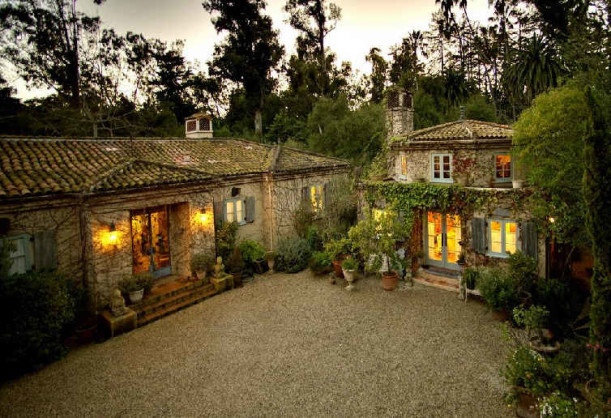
{"x":204,"y":124}
{"x":502,"y":167}
{"x":442,"y":168}
{"x":191,"y":125}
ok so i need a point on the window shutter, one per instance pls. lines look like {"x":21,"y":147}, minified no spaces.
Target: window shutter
{"x":250,"y":209}
{"x":219,"y":212}
{"x":478,"y":236}
{"x":305,"y":194}
{"x":45,"y":251}
{"x":529,"y":239}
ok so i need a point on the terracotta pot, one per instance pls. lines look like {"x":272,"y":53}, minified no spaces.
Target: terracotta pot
{"x":390,"y":280}
{"x":135,"y":297}
{"x":337,"y":269}
{"x":502,"y":315}
{"x":270,"y":264}
{"x":527,"y":405}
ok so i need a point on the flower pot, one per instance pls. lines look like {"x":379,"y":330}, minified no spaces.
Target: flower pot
{"x":337,"y":269}
{"x":503,"y":315}
{"x":237,"y":278}
{"x":219,"y":284}
{"x":527,"y":405}
{"x":517,"y":184}
{"x":390,"y":280}
{"x":200,"y":275}
{"x":136,"y":296}
{"x":260,"y":266}
{"x":270,"y":264}
{"x":349,"y":276}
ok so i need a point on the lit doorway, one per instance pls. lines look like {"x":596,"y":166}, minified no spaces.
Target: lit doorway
{"x":151,"y":241}
{"x":442,"y":236}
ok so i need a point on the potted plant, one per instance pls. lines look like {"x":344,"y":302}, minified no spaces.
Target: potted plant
{"x":236,"y":266}
{"x":269,"y":256}
{"x":252,"y":254}
{"x":339,"y":249}
{"x":534,"y":319}
{"x":499,"y":291}
{"x":376,"y":240}
{"x":469,"y":277}
{"x":461,"y":170}
{"x":134,"y":286}
{"x":349,"y":266}
{"x":321,"y":263}
{"x":200,"y":265}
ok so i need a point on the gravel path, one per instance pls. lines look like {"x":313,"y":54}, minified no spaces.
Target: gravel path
{"x":290,"y":345}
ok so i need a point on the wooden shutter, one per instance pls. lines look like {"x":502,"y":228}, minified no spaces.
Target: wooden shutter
{"x":478,"y":236}
{"x":218,"y":213}
{"x":305,"y":194}
{"x":325,"y":196}
{"x":529,"y":239}
{"x":45,"y":251}
{"x":250,"y":209}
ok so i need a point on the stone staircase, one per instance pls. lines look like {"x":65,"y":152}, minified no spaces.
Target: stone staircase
{"x":429,"y":278}
{"x":171,"y":297}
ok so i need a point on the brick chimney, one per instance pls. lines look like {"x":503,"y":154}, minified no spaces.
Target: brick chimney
{"x":399,"y":113}
{"x":198,"y":126}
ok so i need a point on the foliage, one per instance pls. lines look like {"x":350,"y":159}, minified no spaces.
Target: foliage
{"x":471,"y":276}
{"x":339,"y":210}
{"x":35,"y":312}
{"x":226,"y":239}
{"x":350,"y":263}
{"x":533,"y":318}
{"x":269,"y":255}
{"x":498,"y":289}
{"x":558,"y":405}
{"x":523,"y":271}
{"x":321,"y":262}
{"x":314,"y":238}
{"x":251,"y":251}
{"x":375,"y":239}
{"x":235,"y":263}
{"x":135,"y":282}
{"x":202,"y":262}
{"x":292,"y":255}
{"x":338,"y":247}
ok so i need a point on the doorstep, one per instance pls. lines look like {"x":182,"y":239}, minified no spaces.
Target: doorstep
{"x":429,"y":278}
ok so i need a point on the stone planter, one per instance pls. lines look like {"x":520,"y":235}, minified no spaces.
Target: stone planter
{"x":260,"y":266}
{"x":136,"y":296}
{"x":270,"y":264}
{"x":517,"y":184}
{"x":219,"y":284}
{"x":390,"y":280}
{"x":349,"y":276}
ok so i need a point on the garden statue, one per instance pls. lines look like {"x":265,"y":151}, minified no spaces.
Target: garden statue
{"x":117,"y":304}
{"x":219,"y":268}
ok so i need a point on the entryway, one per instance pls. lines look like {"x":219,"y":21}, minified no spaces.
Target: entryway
{"x":151,"y":241}
{"x":442,"y":234}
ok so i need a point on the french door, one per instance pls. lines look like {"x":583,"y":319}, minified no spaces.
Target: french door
{"x":151,"y":241}
{"x":442,"y":239}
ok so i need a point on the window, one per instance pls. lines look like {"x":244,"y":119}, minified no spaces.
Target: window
{"x":316,"y":198}
{"x":234,"y":211}
{"x":204,"y":124}
{"x":404,"y":166}
{"x":21,"y":254}
{"x":502,"y":167}
{"x":503,"y":237}
{"x":191,"y":125}
{"x":441,"y":168}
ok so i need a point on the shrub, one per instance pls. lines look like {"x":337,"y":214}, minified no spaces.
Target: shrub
{"x":498,"y":289}
{"x":533,"y":318}
{"x":236,"y":262}
{"x":321,"y":262}
{"x":314,"y":239}
{"x":35,"y":311}
{"x":135,"y":282}
{"x":350,"y":264}
{"x":470,"y":276}
{"x":251,"y":251}
{"x":292,"y":255}
{"x":338,"y":247}
{"x":523,"y":271}
{"x":202,"y":262}
{"x":525,"y":369}
{"x":225,"y":239}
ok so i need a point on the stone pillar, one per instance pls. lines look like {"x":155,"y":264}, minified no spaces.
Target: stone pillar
{"x":399,"y":113}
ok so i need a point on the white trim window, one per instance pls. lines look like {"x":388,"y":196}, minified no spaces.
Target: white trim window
{"x":235,"y":211}
{"x":441,"y":168}
{"x":502,"y":167}
{"x":502,"y":237}
{"x":21,"y":253}
{"x":403,"y":167}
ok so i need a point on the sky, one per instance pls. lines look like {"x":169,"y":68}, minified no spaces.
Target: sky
{"x":364,"y":24}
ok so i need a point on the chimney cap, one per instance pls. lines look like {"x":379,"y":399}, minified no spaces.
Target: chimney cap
{"x":199,"y":115}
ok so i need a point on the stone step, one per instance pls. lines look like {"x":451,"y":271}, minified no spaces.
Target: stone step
{"x":166,"y":290}
{"x":440,"y":282}
{"x":171,"y":299}
{"x":176,"y":305}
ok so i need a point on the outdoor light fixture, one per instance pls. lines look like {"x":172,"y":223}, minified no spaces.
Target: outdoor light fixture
{"x":112,"y":236}
{"x":552,"y":220}
{"x":203,"y":217}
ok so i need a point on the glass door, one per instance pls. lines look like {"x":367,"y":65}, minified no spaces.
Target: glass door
{"x":442,"y":239}
{"x":151,"y":242}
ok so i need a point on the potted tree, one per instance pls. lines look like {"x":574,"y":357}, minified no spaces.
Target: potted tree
{"x":236,"y":266}
{"x":321,"y":263}
{"x":252,"y":254}
{"x":339,"y":249}
{"x":200,"y":265}
{"x":349,"y":266}
{"x":135,"y":286}
{"x":270,"y":256}
{"x":376,"y":240}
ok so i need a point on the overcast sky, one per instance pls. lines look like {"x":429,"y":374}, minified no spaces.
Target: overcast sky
{"x":364,"y":24}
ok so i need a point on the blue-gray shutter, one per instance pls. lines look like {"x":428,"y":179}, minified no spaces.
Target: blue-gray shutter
{"x":529,"y":239}
{"x":218,"y":213}
{"x":250,"y":209}
{"x":45,"y":251}
{"x":478,"y":235}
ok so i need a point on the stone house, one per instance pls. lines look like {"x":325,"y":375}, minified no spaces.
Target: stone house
{"x":462,"y":158}
{"x":100,"y":209}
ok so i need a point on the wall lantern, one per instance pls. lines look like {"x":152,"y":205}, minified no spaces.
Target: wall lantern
{"x":111,"y":237}
{"x":203,"y":217}
{"x":552,"y":220}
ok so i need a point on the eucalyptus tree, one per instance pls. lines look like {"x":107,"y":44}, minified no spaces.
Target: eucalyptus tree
{"x":250,"y":51}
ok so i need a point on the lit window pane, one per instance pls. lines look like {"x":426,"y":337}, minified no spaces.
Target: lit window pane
{"x":496,"y":244}
{"x":404,"y":165}
{"x":239,"y":211}
{"x":510,"y":237}
{"x":230,"y":212}
{"x":503,"y":166}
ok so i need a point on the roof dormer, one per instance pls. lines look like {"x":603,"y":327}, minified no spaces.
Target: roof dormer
{"x":198,"y":126}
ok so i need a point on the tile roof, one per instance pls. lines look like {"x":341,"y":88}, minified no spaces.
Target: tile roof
{"x":53,"y":166}
{"x":460,"y":130}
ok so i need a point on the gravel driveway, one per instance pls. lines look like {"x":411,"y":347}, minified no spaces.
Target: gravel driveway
{"x":290,"y":345}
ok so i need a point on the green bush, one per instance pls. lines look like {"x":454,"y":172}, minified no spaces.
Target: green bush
{"x":321,"y":262}
{"x":498,"y":289}
{"x":36,"y":310}
{"x":292,"y":255}
{"x":314,"y":239}
{"x":470,"y":276}
{"x":523,"y":271}
{"x":251,"y":251}
{"x":225,"y":239}
{"x":350,"y":264}
{"x":135,"y":282}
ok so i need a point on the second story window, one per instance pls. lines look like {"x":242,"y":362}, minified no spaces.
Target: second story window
{"x":403,"y":166}
{"x":441,"y":170}
{"x":502,"y":167}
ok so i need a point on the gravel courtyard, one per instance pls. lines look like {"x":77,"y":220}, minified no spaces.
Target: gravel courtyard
{"x":285,"y":345}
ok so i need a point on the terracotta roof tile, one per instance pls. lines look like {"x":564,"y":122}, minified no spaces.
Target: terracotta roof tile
{"x":460,"y":130}
{"x":54,"y":166}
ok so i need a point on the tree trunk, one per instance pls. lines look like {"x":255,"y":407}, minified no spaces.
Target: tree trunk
{"x":258,"y":123}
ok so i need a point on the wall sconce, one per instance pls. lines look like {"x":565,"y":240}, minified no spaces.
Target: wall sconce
{"x":112,"y":236}
{"x":203,"y":217}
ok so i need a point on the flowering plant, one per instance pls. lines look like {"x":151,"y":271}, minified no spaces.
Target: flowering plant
{"x":558,"y":405}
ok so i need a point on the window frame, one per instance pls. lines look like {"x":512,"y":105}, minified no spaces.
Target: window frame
{"x":503,"y":222}
{"x":234,"y":201}
{"x":28,"y":253}
{"x":402,"y":159}
{"x":318,"y":206}
{"x":503,"y":179}
{"x":441,"y":171}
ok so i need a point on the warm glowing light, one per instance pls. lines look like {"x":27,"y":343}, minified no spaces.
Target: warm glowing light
{"x":552,"y":220}
{"x":110,"y":237}
{"x":203,"y":217}
{"x":113,"y":237}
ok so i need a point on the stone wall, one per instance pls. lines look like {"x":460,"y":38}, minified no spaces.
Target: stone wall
{"x":419,"y":165}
